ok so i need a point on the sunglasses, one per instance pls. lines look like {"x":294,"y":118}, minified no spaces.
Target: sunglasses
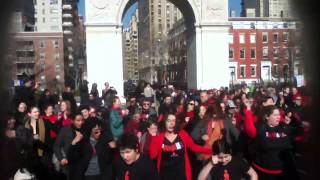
{"x":191,"y":104}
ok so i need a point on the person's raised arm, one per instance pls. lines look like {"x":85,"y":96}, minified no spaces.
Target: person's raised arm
{"x":204,"y":173}
{"x":194,"y":147}
{"x":249,"y":127}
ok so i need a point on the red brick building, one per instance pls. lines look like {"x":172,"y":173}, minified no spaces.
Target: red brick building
{"x":39,"y":55}
{"x":263,"y":50}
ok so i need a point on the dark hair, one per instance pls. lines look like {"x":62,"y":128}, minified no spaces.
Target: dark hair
{"x":268,"y":110}
{"x":82,"y":107}
{"x":47,"y":106}
{"x":32,"y":107}
{"x":265,"y":99}
{"x":73,"y":117}
{"x":128,"y":141}
{"x":93,"y":122}
{"x":162,"y":124}
{"x":221,"y":146}
{"x":150,"y":122}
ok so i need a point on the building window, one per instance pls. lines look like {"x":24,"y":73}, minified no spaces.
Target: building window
{"x":275,"y":52}
{"x":242,"y":71}
{"x":265,"y":52}
{"x":299,"y":69}
{"x":42,"y":67}
{"x":54,"y":11}
{"x":265,"y":37}
{"x":54,"y":19}
{"x":286,"y":53}
{"x":41,"y":44}
{"x":241,"y":39}
{"x":242,"y":53}
{"x":230,"y":38}
{"x":34,"y":2}
{"x":286,"y":69}
{"x":58,"y":68}
{"x":53,"y":2}
{"x":275,"y":38}
{"x":159,"y":12}
{"x":42,"y":56}
{"x":43,"y":20}
{"x":252,"y":38}
{"x":253,"y":53}
{"x":285,"y":37}
{"x":43,"y":11}
{"x":253,"y":71}
{"x":231,"y":53}
{"x":56,"y":44}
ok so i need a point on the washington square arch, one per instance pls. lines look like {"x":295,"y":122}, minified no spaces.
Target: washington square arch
{"x":207,"y":57}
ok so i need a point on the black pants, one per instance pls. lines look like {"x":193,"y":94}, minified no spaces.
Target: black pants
{"x":97,"y":177}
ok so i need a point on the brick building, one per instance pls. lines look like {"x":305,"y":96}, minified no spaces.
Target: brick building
{"x":262,"y":50}
{"x":39,"y":55}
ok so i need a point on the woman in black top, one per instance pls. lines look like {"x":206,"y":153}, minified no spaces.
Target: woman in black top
{"x":273,"y":158}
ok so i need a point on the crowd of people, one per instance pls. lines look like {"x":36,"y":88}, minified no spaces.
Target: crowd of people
{"x":168,"y":134}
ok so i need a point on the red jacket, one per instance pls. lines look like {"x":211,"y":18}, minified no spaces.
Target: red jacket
{"x":156,"y":144}
{"x":53,"y":119}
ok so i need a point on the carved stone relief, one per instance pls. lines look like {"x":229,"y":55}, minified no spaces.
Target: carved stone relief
{"x":214,"y":10}
{"x":101,"y":11}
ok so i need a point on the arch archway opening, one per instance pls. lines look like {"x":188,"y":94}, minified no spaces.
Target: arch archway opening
{"x":165,"y":58}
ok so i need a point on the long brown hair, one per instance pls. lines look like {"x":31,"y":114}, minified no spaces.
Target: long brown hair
{"x":68,"y":104}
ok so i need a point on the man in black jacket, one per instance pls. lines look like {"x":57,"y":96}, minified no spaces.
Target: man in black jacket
{"x":90,"y":158}
{"x":63,"y":142}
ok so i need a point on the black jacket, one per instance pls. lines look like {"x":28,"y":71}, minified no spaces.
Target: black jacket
{"x":142,"y":169}
{"x":63,"y":141}
{"x":273,"y":146}
{"x":79,"y":156}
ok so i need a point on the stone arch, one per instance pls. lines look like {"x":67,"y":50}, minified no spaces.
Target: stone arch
{"x":208,"y":45}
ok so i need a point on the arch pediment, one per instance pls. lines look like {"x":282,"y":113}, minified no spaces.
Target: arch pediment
{"x":111,"y":11}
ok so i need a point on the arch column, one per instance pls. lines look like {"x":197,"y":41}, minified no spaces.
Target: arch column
{"x":208,"y":56}
{"x":104,"y":54}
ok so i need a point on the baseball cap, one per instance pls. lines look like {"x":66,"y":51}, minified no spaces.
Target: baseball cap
{"x":231,"y":104}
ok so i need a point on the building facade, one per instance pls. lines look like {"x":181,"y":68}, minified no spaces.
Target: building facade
{"x":263,"y":51}
{"x":156,"y":19}
{"x":40,"y":56}
{"x":176,"y":70}
{"x":48,"y":15}
{"x":267,"y":8}
{"x":130,"y":42}
{"x":73,"y":46}
{"x":61,"y":16}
